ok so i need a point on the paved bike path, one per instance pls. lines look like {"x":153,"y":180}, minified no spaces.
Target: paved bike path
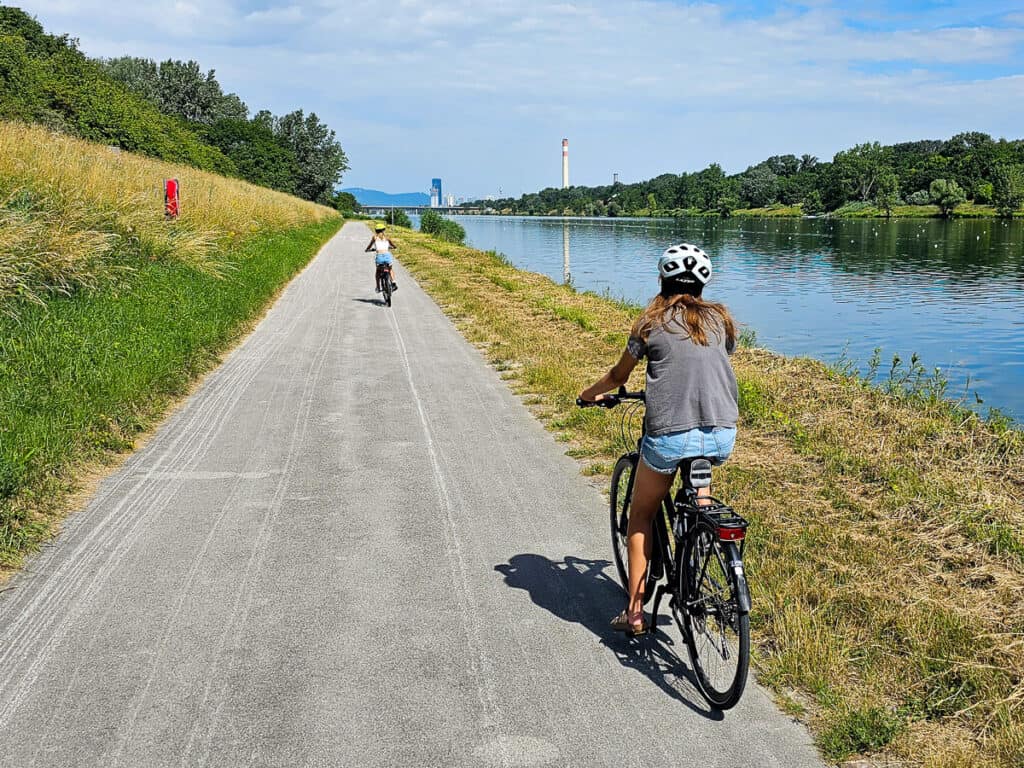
{"x":351,"y":546}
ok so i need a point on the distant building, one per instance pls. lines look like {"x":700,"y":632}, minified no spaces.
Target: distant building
{"x":449,"y":200}
{"x":435,"y":193}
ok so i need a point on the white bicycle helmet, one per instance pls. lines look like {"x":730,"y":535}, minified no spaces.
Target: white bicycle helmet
{"x":685,"y":263}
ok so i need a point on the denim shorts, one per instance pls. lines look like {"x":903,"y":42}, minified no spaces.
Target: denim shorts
{"x":662,"y":453}
{"x":382,"y":259}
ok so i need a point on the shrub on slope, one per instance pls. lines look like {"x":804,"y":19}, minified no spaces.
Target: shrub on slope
{"x":46,"y":79}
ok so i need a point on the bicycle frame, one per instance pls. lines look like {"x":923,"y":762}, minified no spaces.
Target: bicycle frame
{"x":680,"y":514}
{"x":696,"y":558}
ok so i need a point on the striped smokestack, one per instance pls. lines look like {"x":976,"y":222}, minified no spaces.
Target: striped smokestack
{"x":565,"y":163}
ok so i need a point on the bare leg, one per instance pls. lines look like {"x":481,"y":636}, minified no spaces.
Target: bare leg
{"x":648,"y":491}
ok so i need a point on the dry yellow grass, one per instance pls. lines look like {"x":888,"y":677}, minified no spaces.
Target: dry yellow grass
{"x":70,"y":211}
{"x":887,"y":550}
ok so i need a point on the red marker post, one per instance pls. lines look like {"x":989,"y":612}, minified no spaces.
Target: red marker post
{"x":172,"y":203}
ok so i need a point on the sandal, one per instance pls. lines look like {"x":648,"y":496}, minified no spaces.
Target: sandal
{"x":632,"y":625}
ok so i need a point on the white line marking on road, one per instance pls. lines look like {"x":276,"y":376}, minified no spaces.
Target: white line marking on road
{"x":479,"y":669}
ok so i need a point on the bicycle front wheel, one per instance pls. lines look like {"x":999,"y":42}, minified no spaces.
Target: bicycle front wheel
{"x":718,"y":631}
{"x":620,"y":502}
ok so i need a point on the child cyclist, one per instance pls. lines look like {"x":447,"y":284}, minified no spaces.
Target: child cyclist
{"x":383,"y":246}
{"x":691,"y":398}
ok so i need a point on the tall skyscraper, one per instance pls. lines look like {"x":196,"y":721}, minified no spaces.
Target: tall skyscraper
{"x":435,"y":193}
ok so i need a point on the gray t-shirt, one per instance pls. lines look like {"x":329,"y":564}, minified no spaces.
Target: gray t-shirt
{"x":688,"y":385}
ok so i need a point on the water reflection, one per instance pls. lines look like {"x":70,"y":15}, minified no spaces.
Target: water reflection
{"x":566,"y":271}
{"x":951,"y":291}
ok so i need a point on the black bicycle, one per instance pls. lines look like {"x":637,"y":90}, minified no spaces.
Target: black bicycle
{"x":387,"y":285}
{"x":696,"y":559}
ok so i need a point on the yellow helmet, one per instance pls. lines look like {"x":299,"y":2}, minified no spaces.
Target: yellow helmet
{"x":379,"y":228}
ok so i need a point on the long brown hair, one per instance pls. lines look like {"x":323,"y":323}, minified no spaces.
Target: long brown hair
{"x":690,"y":313}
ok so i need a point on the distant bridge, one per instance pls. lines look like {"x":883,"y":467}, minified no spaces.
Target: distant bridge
{"x":376,"y":210}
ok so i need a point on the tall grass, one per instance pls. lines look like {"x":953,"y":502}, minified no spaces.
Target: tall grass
{"x":108,"y":312}
{"x":70,"y":211}
{"x":887,"y":523}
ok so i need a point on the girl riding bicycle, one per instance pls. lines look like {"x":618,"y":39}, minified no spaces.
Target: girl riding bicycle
{"x":383,"y":245}
{"x":692,"y":398}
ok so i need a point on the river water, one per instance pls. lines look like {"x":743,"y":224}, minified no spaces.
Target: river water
{"x":951,"y":292}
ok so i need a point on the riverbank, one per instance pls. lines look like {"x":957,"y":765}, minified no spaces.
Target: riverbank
{"x":887,"y":551}
{"x":849,"y":211}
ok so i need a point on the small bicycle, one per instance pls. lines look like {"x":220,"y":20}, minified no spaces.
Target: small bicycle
{"x":387,"y":285}
{"x":697,"y":560}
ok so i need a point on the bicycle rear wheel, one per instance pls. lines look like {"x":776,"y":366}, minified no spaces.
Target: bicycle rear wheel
{"x":718,"y":631}
{"x":387,"y":288}
{"x":619,"y":505}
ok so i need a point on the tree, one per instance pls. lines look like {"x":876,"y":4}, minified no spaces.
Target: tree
{"x":760,"y":186}
{"x":178,"y":88}
{"x":710,"y":186}
{"x":1007,"y":189}
{"x":319,"y":155}
{"x":783,"y":165}
{"x":812,"y":204}
{"x":724,"y":205}
{"x":257,"y":153}
{"x":346,"y":202}
{"x":887,"y":193}
{"x":396,"y":216}
{"x":140,"y":75}
{"x":972,"y":156}
{"x":946,"y":194}
{"x":859,"y":168}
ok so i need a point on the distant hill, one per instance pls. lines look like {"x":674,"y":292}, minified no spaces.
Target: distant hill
{"x":376,"y":197}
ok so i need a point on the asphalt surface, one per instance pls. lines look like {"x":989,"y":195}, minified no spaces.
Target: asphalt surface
{"x":352,"y":546}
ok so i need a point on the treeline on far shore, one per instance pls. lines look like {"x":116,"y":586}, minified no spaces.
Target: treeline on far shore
{"x":172,"y":110}
{"x":969,"y":174}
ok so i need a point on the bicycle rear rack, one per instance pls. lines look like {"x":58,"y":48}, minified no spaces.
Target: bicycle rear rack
{"x":730,"y":526}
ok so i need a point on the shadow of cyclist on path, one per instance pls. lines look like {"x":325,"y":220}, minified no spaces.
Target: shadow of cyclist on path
{"x":579,"y":591}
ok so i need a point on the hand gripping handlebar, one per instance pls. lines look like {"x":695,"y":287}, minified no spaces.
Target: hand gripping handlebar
{"x":610,"y":401}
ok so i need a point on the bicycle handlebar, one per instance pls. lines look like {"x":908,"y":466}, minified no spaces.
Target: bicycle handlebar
{"x":610,"y":401}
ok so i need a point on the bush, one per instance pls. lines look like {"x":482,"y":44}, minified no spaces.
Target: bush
{"x":946,"y":194}
{"x":430,"y":222}
{"x":398,"y":218}
{"x":921,"y":197}
{"x":452,"y":232}
{"x":435,"y":224}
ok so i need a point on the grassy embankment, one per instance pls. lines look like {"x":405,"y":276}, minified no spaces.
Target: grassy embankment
{"x":887,"y":550}
{"x":108,"y":312}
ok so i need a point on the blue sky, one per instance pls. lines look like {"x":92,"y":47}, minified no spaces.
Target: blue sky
{"x":481,"y":94}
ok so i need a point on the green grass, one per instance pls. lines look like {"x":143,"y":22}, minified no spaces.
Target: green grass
{"x":860,"y":730}
{"x":82,"y":376}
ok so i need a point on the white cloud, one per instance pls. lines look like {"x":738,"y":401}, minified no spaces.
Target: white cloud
{"x":641,"y":85}
{"x":291,"y":14}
